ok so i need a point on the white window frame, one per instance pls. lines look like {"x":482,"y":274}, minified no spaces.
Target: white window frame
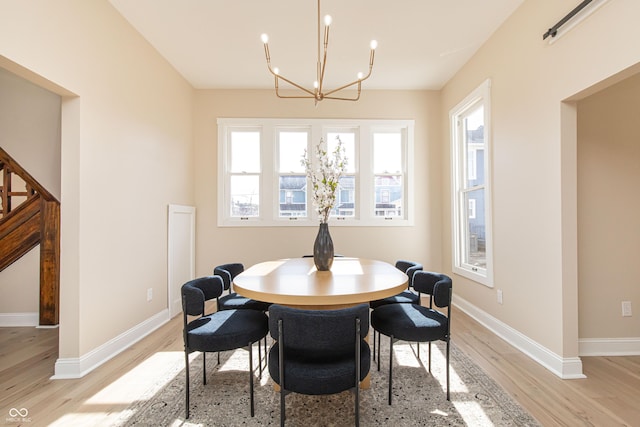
{"x":460,"y":209}
{"x":318,"y":128}
{"x":224,"y":158}
{"x":277,"y":173}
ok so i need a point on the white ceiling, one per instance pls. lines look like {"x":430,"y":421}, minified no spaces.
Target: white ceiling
{"x":216,"y":43}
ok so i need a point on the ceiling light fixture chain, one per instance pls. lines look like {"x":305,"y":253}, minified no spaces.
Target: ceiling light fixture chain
{"x":317,"y":93}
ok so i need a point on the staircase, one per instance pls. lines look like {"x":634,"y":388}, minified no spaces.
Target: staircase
{"x":30,"y":216}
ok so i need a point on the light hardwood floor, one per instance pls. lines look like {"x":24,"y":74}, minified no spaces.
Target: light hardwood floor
{"x":609,"y":396}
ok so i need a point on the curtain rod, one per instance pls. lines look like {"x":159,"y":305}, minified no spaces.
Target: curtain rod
{"x":554,"y":30}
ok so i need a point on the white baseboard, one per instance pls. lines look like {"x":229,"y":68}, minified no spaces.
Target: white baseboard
{"x":609,"y":346}
{"x":16,"y":320}
{"x":77,"y":367}
{"x":565,"y":368}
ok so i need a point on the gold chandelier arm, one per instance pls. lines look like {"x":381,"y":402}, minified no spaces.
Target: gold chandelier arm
{"x":358,"y":82}
{"x":278,"y":76}
{"x":328,"y":94}
{"x":289,"y":96}
{"x":267,"y":55}
{"x":324,"y":58}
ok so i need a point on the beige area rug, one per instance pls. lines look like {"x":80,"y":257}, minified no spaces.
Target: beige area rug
{"x":419,"y":397}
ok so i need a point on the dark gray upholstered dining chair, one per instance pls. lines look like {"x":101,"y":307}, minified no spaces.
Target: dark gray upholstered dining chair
{"x":406,"y":296}
{"x":219,"y":331}
{"x":319,"y":352}
{"x":232,"y":300}
{"x":413,"y":322}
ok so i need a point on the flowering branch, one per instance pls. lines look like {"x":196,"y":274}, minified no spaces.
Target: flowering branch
{"x":325,"y":178}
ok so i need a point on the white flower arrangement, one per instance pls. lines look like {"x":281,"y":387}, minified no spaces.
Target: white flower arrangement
{"x":325,"y":178}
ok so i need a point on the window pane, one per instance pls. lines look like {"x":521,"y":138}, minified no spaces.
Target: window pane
{"x":245,"y":151}
{"x":474,"y":147}
{"x":388,"y":195}
{"x":345,"y":201}
{"x":387,"y":152}
{"x":292,"y":146}
{"x":349,"y":143}
{"x":245,"y":200}
{"x":293,"y":196}
{"x":475,"y":235}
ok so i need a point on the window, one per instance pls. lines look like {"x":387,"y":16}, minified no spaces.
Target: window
{"x":470,"y":120}
{"x":346,"y":201}
{"x":262,"y":182}
{"x":244,"y":176}
{"x":388,"y":168}
{"x":292,"y":180}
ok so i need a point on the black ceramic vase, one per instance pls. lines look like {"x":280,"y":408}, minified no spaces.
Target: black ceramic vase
{"x":323,"y":249}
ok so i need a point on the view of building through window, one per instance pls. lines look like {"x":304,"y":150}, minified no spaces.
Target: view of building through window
{"x":474,"y":189}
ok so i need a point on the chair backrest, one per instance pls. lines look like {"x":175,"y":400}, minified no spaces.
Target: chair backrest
{"x":438,"y":286}
{"x":322,"y":334}
{"x":409,"y":268}
{"x":195,"y":292}
{"x":228,"y":272}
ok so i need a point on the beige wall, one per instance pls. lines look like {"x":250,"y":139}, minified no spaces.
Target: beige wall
{"x":422,"y":242}
{"x":30,"y":128}
{"x":126,"y":153}
{"x":20,"y":285}
{"x":608,"y":210}
{"x":534,"y":180}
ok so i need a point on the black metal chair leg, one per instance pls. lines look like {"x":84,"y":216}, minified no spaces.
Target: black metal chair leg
{"x":429,"y":356}
{"x":358,"y":367}
{"x":281,"y":372}
{"x":204,"y":367}
{"x":390,"y":366}
{"x":379,"y":350}
{"x":448,"y":370}
{"x":260,"y":358}
{"x":374,"y":345}
{"x":186,"y":389}
{"x":251,"y":376}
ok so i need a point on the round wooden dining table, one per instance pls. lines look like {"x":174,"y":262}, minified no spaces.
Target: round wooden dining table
{"x":297,"y":283}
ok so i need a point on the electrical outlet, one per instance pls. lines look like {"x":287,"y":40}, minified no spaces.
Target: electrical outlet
{"x":149,"y":294}
{"x":626,"y":308}
{"x":499,"y":296}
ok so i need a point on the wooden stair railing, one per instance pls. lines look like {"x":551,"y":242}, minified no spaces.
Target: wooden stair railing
{"x":28,"y":218}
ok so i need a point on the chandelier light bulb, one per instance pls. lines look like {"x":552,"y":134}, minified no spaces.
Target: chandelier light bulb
{"x":265,"y":38}
{"x":276,"y":71}
{"x":327,"y":20}
{"x":374,"y":44}
{"x":315,"y":84}
{"x":360,"y":75}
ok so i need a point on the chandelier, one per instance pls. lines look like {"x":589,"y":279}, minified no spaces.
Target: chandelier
{"x":318,"y":93}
